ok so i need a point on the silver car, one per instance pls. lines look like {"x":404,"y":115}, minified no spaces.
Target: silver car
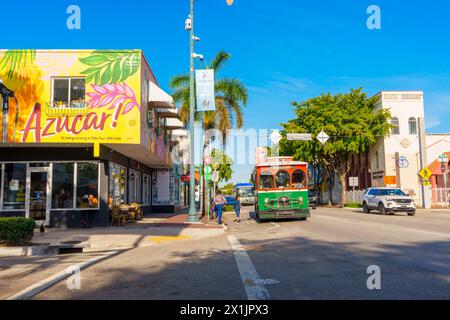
{"x":388,"y":201}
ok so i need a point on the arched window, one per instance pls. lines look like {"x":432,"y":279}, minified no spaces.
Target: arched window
{"x":265,"y":180}
{"x":412,"y":125}
{"x":298,"y":179}
{"x":282,"y":179}
{"x":395,"y":123}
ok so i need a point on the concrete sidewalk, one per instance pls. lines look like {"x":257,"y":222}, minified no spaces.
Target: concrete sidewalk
{"x":152,"y":230}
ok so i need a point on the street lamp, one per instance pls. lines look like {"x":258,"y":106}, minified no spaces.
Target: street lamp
{"x":189,"y":26}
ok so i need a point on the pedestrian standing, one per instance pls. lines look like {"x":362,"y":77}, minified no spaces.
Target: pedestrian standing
{"x":220,"y":202}
{"x":237,"y":209}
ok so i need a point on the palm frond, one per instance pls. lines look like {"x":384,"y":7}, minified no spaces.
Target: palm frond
{"x":222,"y":116}
{"x":232,"y":88}
{"x":181,"y":80}
{"x":181,"y":95}
{"x":219,"y":61}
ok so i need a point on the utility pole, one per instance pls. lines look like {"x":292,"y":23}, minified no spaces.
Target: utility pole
{"x":425,"y":190}
{"x":192,"y":207}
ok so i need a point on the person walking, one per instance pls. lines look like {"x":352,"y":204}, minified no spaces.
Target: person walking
{"x":220,"y":202}
{"x":237,"y":209}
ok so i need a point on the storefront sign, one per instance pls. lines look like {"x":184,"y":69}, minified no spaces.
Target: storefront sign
{"x":73,"y":96}
{"x":204,"y":79}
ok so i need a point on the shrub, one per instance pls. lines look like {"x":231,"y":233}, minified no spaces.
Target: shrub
{"x":353,"y":205}
{"x":16,"y":230}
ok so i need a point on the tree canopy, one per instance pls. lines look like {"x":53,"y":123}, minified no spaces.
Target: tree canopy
{"x":350,"y":119}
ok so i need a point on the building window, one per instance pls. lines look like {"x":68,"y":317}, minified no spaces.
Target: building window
{"x":68,"y":92}
{"x":396,"y":128}
{"x":412,"y":125}
{"x":87,"y":185}
{"x":62,"y":188}
{"x":146,"y":180}
{"x":134,"y":186}
{"x":14,"y":178}
{"x":117,"y":184}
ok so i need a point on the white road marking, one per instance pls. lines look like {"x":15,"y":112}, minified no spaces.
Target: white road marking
{"x":50,"y":281}
{"x":253,"y":284}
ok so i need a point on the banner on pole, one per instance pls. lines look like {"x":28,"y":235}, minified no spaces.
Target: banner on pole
{"x":204,"y":80}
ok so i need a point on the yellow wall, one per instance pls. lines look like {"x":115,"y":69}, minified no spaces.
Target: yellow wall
{"x":112,"y":103}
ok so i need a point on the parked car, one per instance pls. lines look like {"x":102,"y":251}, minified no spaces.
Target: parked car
{"x":312,"y":199}
{"x":388,"y":201}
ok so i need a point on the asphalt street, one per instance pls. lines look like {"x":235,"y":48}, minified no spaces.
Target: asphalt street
{"x":325,"y":257}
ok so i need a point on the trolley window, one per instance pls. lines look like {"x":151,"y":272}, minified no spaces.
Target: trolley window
{"x":265,"y":180}
{"x":298,"y":179}
{"x":282,"y":179}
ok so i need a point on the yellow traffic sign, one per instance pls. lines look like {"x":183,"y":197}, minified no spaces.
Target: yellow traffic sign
{"x":425,"y":173}
{"x":426,"y":183}
{"x":215,"y":165}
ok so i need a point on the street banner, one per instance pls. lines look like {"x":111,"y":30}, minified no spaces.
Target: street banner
{"x":204,"y":80}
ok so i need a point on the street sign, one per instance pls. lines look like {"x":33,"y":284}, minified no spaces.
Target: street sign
{"x":208,"y":160}
{"x":208,"y":169}
{"x":322,"y":137}
{"x":207,"y":176}
{"x":353,"y":181}
{"x":402,"y":162}
{"x":426,"y":183}
{"x":215,"y":176}
{"x":443,"y":158}
{"x":275,"y":136}
{"x":215,"y":165}
{"x":299,"y":136}
{"x":425,"y":173}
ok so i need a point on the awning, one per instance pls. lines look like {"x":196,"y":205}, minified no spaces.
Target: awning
{"x":167,"y":113}
{"x":179,"y":133}
{"x":158,"y":98}
{"x":173,"y":123}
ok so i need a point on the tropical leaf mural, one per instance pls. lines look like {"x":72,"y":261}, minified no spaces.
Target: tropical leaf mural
{"x":108,"y":66}
{"x":14,"y":60}
{"x":114,"y":95}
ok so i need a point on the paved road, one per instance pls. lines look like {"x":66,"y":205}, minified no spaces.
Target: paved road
{"x":325,"y":257}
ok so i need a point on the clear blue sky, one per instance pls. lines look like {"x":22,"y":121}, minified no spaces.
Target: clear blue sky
{"x":283,"y":50}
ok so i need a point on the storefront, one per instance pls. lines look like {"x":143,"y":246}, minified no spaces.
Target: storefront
{"x":85,"y":135}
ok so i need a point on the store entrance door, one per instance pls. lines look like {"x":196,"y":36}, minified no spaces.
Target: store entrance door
{"x":38,"y":196}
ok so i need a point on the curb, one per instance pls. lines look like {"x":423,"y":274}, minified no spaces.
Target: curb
{"x":50,"y":250}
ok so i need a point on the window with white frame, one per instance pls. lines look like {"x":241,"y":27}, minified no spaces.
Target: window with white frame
{"x":396,"y":128}
{"x":412,"y":125}
{"x":68,"y":92}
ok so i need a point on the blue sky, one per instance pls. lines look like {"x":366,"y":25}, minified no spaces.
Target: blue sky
{"x":283,"y":50}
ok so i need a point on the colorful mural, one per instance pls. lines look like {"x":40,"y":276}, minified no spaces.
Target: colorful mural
{"x":72,"y":96}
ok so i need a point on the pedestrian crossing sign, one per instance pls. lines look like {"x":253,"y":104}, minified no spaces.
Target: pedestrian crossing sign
{"x":425,"y":173}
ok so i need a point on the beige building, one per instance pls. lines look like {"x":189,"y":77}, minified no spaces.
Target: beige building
{"x":394,"y":160}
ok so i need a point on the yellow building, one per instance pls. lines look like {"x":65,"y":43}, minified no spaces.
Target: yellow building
{"x":85,"y":129}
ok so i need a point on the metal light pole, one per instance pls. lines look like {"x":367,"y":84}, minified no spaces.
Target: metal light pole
{"x":192,"y":207}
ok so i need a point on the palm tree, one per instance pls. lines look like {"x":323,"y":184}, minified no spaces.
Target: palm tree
{"x":230,"y":95}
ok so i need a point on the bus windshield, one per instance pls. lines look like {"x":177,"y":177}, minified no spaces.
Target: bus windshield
{"x":246,"y":192}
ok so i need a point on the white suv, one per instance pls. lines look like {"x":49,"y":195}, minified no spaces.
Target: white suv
{"x":388,"y":200}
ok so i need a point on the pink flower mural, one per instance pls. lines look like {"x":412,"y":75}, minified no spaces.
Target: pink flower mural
{"x":113,"y":95}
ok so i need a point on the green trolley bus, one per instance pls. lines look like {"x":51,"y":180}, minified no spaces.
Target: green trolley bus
{"x":281,"y":189}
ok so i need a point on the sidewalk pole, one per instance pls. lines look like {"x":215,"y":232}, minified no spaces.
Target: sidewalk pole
{"x":192,"y":206}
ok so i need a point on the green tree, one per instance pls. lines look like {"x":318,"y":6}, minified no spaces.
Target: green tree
{"x":227,"y":189}
{"x":231,"y":95}
{"x":351,"y":120}
{"x":225,"y":163}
